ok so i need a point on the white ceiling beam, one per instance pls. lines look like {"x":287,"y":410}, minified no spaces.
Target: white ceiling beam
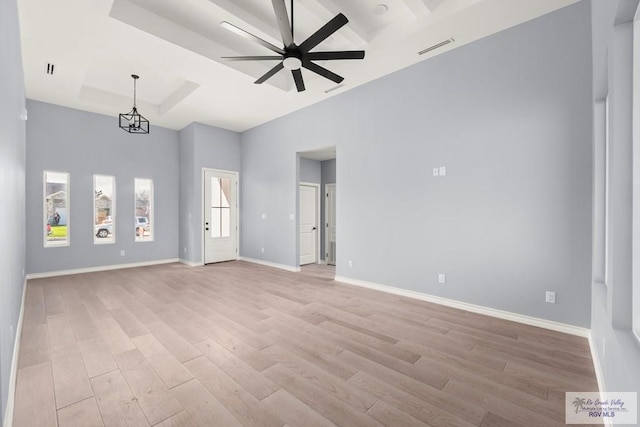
{"x":327,"y":10}
{"x":419,"y":8}
{"x":177,"y":96}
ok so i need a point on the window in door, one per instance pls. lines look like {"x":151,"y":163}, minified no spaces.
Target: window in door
{"x":220,"y":207}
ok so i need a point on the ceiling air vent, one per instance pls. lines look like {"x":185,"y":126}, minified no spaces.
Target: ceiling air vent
{"x":49,"y":68}
{"x":436,"y":46}
{"x":334,"y":88}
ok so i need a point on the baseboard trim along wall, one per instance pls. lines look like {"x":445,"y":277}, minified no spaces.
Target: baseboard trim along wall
{"x":99,"y":268}
{"x":191,"y":263}
{"x":271,"y":264}
{"x":507,"y":315}
{"x":595,"y":357}
{"x":13,"y":376}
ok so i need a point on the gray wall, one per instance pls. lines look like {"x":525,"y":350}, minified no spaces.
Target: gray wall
{"x":328,"y":177}
{"x":12,"y":173}
{"x":510,"y":117}
{"x":95,"y":145}
{"x":310,"y":171}
{"x":328,"y":172}
{"x":611,"y":311}
{"x":188,"y":200}
{"x":201,"y":146}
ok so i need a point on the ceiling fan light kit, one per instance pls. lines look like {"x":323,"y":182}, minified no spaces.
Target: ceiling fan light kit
{"x":291,"y":56}
{"x":133,"y":122}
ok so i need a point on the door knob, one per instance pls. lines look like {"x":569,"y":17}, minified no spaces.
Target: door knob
{"x":314,"y":228}
{"x":206,"y":228}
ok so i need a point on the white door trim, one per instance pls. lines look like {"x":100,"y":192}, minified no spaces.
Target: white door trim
{"x":318,"y":217}
{"x":327,"y":235}
{"x":202,"y":174}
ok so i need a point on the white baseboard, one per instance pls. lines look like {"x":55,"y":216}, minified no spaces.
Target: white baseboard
{"x":597,"y":366}
{"x":595,"y":356}
{"x":507,"y":315}
{"x":271,"y":264}
{"x":190,"y":263}
{"x":99,"y":268}
{"x":13,"y":376}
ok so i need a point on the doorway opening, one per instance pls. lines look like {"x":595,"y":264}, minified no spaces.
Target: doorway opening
{"x":317,"y":168}
{"x":220,"y":225}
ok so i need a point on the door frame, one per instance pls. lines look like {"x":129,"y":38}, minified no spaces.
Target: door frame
{"x":202,"y":228}
{"x":318,"y":217}
{"x":327,"y":238}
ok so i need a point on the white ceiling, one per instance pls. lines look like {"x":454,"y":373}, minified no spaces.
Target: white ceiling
{"x":175,"y":47}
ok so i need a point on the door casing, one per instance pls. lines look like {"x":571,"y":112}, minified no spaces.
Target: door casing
{"x":202,"y":208}
{"x":317,"y":188}
{"x":327,"y":225}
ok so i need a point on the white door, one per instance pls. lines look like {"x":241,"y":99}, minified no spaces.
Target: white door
{"x":330,"y":216}
{"x":308,"y":224}
{"x":220,"y":216}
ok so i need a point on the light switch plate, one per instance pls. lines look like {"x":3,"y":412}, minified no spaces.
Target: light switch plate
{"x":550,"y":297}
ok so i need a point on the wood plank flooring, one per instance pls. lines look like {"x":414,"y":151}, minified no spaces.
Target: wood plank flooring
{"x":238,"y":344}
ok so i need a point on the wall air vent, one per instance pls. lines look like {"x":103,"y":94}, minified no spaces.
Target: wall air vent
{"x":436,"y":46}
{"x":334,"y":88}
{"x":49,"y":68}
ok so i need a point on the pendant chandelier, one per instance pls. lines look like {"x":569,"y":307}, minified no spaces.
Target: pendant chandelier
{"x":134,"y":122}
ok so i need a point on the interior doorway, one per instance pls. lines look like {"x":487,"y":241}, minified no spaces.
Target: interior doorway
{"x":309,"y":200}
{"x":318,"y":167}
{"x":220,"y":225}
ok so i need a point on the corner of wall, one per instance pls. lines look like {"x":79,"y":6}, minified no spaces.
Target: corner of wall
{"x":8,"y":417}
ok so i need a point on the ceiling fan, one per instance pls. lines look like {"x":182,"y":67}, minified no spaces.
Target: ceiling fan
{"x":292,"y":56}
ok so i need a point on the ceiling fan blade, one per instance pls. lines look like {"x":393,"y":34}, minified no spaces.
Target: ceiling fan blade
{"x":297,"y":77}
{"x":250,"y":36}
{"x":283,"y":22}
{"x":269,"y":73}
{"x":322,"y":71}
{"x":328,"y":56}
{"x":251,"y":58}
{"x":329,"y":28}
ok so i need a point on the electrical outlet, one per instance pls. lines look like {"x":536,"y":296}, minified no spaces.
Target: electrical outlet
{"x":264,"y":216}
{"x":185,"y":249}
{"x":443,"y":170}
{"x":442,"y":278}
{"x":350,"y":263}
{"x":11,"y":331}
{"x":436,"y":172}
{"x":122,"y":252}
{"x":550,"y":297}
{"x":262,"y":249}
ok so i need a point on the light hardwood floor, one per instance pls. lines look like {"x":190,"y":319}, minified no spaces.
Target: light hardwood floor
{"x":237,"y":344}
